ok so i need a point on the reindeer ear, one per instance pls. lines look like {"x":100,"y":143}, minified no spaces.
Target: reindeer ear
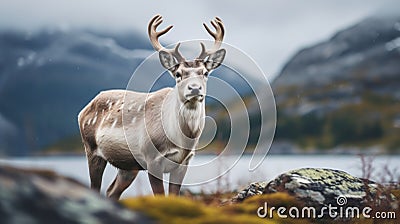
{"x":215,"y":59}
{"x":168,"y":61}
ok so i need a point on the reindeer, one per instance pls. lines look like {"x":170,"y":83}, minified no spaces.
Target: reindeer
{"x":156,"y":131}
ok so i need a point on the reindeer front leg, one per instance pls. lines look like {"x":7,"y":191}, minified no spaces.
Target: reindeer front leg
{"x":176,"y":178}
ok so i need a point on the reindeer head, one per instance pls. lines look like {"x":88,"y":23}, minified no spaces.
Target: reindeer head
{"x":190,"y":76}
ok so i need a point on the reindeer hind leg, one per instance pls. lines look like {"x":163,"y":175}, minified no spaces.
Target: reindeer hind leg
{"x":122,"y":181}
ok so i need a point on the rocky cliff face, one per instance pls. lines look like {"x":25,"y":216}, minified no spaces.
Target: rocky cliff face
{"x":355,"y":74}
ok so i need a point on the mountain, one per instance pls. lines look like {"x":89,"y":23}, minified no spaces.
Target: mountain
{"x":48,"y":76}
{"x":345,"y":91}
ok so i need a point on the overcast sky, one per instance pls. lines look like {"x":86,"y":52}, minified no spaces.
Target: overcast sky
{"x":269,"y":31}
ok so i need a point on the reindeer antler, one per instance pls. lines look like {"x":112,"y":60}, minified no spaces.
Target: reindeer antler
{"x":218,"y":36}
{"x":154,"y":35}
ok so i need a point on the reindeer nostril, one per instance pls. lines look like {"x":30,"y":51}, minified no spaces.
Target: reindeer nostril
{"x":195,"y":91}
{"x":189,"y":87}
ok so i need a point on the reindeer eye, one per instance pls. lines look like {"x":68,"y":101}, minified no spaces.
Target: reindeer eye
{"x":206,"y":74}
{"x":178,"y":75}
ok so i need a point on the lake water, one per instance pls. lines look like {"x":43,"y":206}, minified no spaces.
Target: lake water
{"x":236,"y":174}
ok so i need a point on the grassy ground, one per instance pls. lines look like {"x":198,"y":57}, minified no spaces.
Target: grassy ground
{"x":218,"y":209}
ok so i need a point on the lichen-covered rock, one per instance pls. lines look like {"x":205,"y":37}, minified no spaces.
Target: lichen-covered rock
{"x":319,"y":187}
{"x":255,"y":188}
{"x":34,"y":196}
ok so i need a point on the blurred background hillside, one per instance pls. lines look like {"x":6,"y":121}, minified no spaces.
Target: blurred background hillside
{"x":344,"y":93}
{"x":334,"y":68}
